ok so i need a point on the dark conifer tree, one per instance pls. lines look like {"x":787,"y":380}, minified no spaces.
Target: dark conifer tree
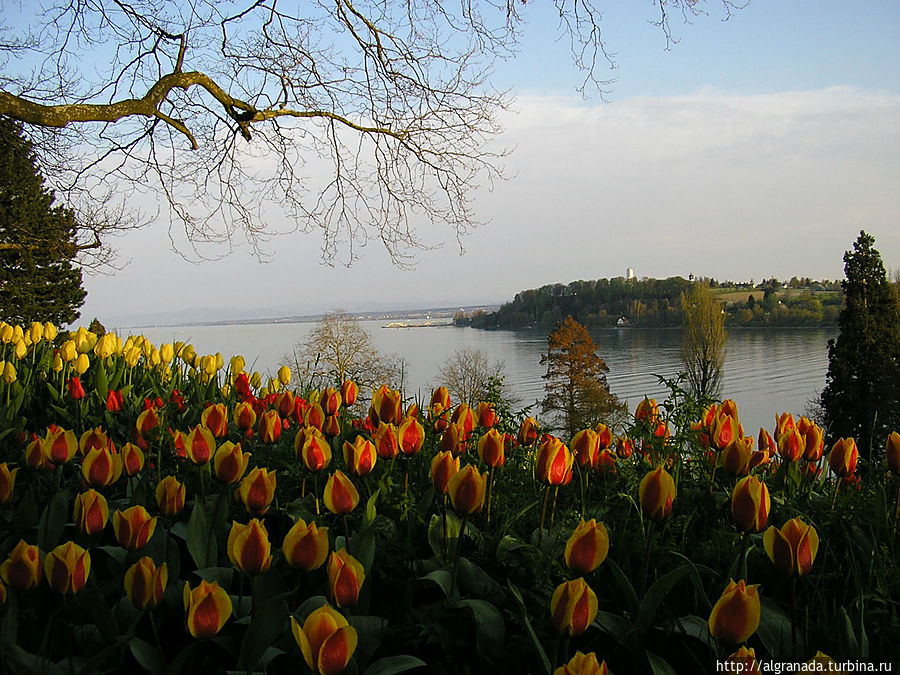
{"x":862,"y":388}
{"x":39,"y":280}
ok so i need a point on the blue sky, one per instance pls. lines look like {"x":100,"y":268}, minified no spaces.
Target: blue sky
{"x":754,"y":147}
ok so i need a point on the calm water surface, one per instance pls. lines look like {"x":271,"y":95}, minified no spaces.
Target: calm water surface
{"x":767,"y":371}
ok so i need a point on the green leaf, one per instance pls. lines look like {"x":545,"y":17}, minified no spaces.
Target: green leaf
{"x":369,"y":632}
{"x":695,"y":626}
{"x":517,"y":594}
{"x":774,"y":629}
{"x":442,"y":578}
{"x":267,"y":624}
{"x":436,"y":535}
{"x":221,"y":575}
{"x":655,"y":596}
{"x":27,"y":512}
{"x":101,"y":383}
{"x":310,"y":605}
{"x":147,"y":656}
{"x":490,"y":629}
{"x":617,"y":627}
{"x":849,"y":645}
{"x":201,"y":538}
{"x":631,"y":598}
{"x":390,"y":665}
{"x":475,"y":582}
{"x":659,"y":666}
{"x":53,"y":520}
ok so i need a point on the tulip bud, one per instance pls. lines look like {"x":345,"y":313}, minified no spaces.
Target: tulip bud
{"x":249,"y":549}
{"x":67,"y":568}
{"x":387,"y":444}
{"x":464,"y":416}
{"x":59,"y":446}
{"x":743,"y":661}
{"x":725,"y":431}
{"x":7,"y":483}
{"x":284,"y":375}
{"x":170,"y":496}
{"x":34,"y":456}
{"x":312,"y":449}
{"x":132,"y":459}
{"x":386,"y":405}
{"x":766,"y":443}
{"x":345,"y":577}
{"x":486,"y":414}
{"x":244,"y":416}
{"x":657,"y":492}
{"x":528,"y":431}
{"x":269,"y":428}
{"x":735,"y":616}
{"x":144,"y":583}
{"x":340,"y":495}
{"x":20,"y":350}
{"x":359,"y":456}
{"x":443,"y":466}
{"x":215,"y":418}
{"x":330,"y":401}
{"x":453,"y":439}
{"x":257,"y":490}
{"x":583,"y":664}
{"x":326,"y":640}
{"x":892,"y":452}
{"x":90,"y":512}
{"x":410,"y":436}
{"x":82,"y":363}
{"x":230,"y":462}
{"x":814,"y":443}
{"x":200,"y":445}
{"x":133,"y":527}
{"x":843,"y":457}
{"x":208,"y":607}
{"x":491,"y":449}
{"x":736,"y":457}
{"x":73,"y":386}
{"x":587,"y":547}
{"x":467,"y":488}
{"x":585,"y":446}
{"x":101,"y":467}
{"x":573,"y":607}
{"x":349,"y":392}
{"x":784,"y":423}
{"x":22,"y":569}
{"x":750,"y":504}
{"x":624,"y":447}
{"x":553,"y":464}
{"x":439,"y":404}
{"x":791,"y":445}
{"x":647,"y":410}
{"x":305,"y":546}
{"x":793,"y":548}
{"x":331,"y":427}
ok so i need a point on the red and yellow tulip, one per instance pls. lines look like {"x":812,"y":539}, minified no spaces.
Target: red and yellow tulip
{"x":207,"y":609}
{"x":386,"y":406}
{"x":132,"y":459}
{"x":305,"y":547}
{"x":22,"y":569}
{"x":843,"y":457}
{"x":257,"y":490}
{"x":360,"y":456}
{"x":491,"y":449}
{"x":587,"y":547}
{"x":67,"y":568}
{"x":750,"y":504}
{"x":326,"y":640}
{"x":200,"y":445}
{"x":170,"y":496}
{"x":467,"y":488}
{"x":330,"y":401}
{"x":340,"y":495}
{"x":735,"y":616}
{"x":91,"y":512}
{"x":582,"y":664}
{"x":101,"y":467}
{"x":133,"y":527}
{"x":657,"y":492}
{"x":230,"y":462}
{"x":249,"y":549}
{"x":345,"y":578}
{"x":793,"y":548}
{"x":269,"y":427}
{"x":387,"y":444}
{"x":215,"y":418}
{"x":59,"y":446}
{"x":144,"y":583}
{"x":410,"y":436}
{"x":573,"y":607}
{"x":553,"y":463}
{"x":7,"y":483}
{"x":349,"y":392}
{"x":315,"y":451}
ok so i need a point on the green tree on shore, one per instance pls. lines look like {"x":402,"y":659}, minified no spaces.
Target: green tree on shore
{"x":703,"y":339}
{"x":862,"y":388}
{"x":39,"y":280}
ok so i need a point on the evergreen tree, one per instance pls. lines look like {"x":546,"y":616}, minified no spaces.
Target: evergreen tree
{"x":38,"y":278}
{"x":862,"y":389}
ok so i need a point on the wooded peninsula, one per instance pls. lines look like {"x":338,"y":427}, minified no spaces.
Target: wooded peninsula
{"x":656,"y":303}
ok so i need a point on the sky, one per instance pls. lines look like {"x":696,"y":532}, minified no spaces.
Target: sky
{"x":753,"y":147}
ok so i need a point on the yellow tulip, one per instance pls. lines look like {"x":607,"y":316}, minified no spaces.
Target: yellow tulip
{"x":20,"y":349}
{"x":82,"y":363}
{"x":166,"y":352}
{"x":284,"y":375}
{"x":68,"y":351}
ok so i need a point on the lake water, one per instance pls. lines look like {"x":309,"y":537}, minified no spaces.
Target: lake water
{"x":767,"y":371}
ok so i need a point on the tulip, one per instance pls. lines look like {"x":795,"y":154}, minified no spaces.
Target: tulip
{"x":269,"y":427}
{"x":410,"y":436}
{"x":314,"y":416}
{"x":73,"y":386}
{"x":114,"y":401}
{"x":624,"y":447}
{"x":56,"y":364}
{"x":604,"y":434}
{"x":170,"y":496}
{"x":249,"y":549}
{"x":208,"y":607}
{"x":443,"y":466}
{"x":582,"y":664}
{"x":573,"y":607}
{"x":387,"y":444}
{"x":814,"y":442}
{"x":491,"y":449}
{"x":90,"y":512}
{"x":326,"y":640}
{"x":750,"y":504}
{"x":736,"y":457}
{"x":330,"y":401}
{"x":467,"y":488}
{"x":791,"y":445}
{"x":587,"y":547}
{"x":766,"y":443}
{"x":67,"y":568}
{"x":586,"y":446}
{"x":724,"y":432}
{"x":132,"y":459}
{"x":784,"y":423}
{"x":340,"y":494}
{"x":20,"y":350}
{"x":843,"y":457}
{"x":230,"y":462}
{"x":332,"y":426}
{"x":528,"y":431}
{"x":22,"y":569}
{"x":133,"y":527}
{"x":464,"y":416}
{"x":743,"y":661}
{"x":34,"y":455}
{"x":453,"y":439}
{"x":359,"y":456}
{"x":215,"y":418}
{"x":735,"y":616}
{"x":439,"y":404}
{"x":82,"y":363}
{"x":101,"y":467}
{"x":657,"y":492}
{"x":345,"y":578}
{"x":7,"y":483}
{"x":793,"y":548}
{"x":50,"y":331}
{"x":349,"y":392}
{"x":315,"y":451}
{"x":59,"y":446}
{"x":92,"y":439}
{"x":257,"y":490}
{"x":486,"y":414}
{"x":284,"y":375}
{"x":305,"y":547}
{"x":146,"y":422}
{"x":200,"y":445}
{"x":892,"y":452}
{"x":386,"y":405}
{"x":647,"y":410}
{"x":144,"y":583}
{"x":553,"y":464}
{"x":244,"y":416}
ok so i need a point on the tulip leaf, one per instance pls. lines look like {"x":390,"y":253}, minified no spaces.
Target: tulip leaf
{"x":147,"y":656}
{"x":490,"y":629}
{"x":539,"y":648}
{"x":849,"y":644}
{"x":655,"y":596}
{"x":390,"y":665}
{"x":53,"y":521}
{"x":631,"y":598}
{"x":30,"y":662}
{"x":441,"y":578}
{"x":774,"y":629}
{"x":475,"y":582}
{"x":201,"y":538}
{"x":54,"y":392}
{"x":101,"y":383}
{"x":436,"y":535}
{"x":659,"y":666}
{"x":267,"y":624}
{"x":695,"y":626}
{"x":369,"y":632}
{"x":220,"y":575}
{"x":617,"y":627}
{"x":310,"y":605}
{"x":26,"y":515}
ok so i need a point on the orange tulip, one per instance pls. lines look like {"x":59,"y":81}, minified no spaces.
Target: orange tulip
{"x":359,"y":456}
{"x":7,"y":483}
{"x":657,"y":492}
{"x":133,"y":527}
{"x":170,"y":496}
{"x":326,"y":640}
{"x":387,"y":444}
{"x":604,"y":433}
{"x":269,"y":427}
{"x":59,"y":446}
{"x":101,"y":467}
{"x":92,"y":439}
{"x":725,"y":431}
{"x":200,"y":445}
{"x":284,"y":404}
{"x":349,"y":392}
{"x":132,"y":459}
{"x":34,"y":456}
{"x":784,"y":423}
{"x":813,"y":441}
{"x":386,"y":405}
{"x":440,"y":404}
{"x":453,"y":439}
{"x":750,"y":504}
{"x":464,"y":416}
{"x":248,"y":546}
{"x":314,"y":416}
{"x":736,"y":457}
{"x":257,"y":490}
{"x":305,"y":547}
{"x":330,"y":401}
{"x":215,"y":418}
{"x":583,"y":664}
{"x":843,"y":457}
{"x":744,"y":661}
{"x":735,"y":616}
{"x":793,"y":548}
{"x":208,"y":607}
{"x":647,"y":410}
{"x":585,"y":446}
{"x":528,"y":431}
{"x":573,"y":607}
{"x":587,"y":547}
{"x":332,"y":426}
{"x":345,"y":577}
{"x":791,"y":444}
{"x":244,"y":416}
{"x":766,"y":443}
{"x":491,"y":449}
{"x":553,"y":464}
{"x":315,"y":451}
{"x":624,"y":447}
{"x":486,"y":414}
{"x":67,"y":568}
{"x":91,"y":512}
{"x":892,"y":452}
{"x":22,"y":569}
{"x":144,"y":583}
{"x":340,"y":495}
{"x":443,"y":466}
{"x":467,"y":488}
{"x":146,"y":422}
{"x":230,"y":462}
{"x":410,"y":436}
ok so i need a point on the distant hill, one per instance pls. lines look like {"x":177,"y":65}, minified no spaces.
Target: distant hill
{"x":656,"y":303}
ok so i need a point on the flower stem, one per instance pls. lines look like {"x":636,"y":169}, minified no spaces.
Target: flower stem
{"x":462,"y":531}
{"x":646,"y":567}
{"x":543,"y":514}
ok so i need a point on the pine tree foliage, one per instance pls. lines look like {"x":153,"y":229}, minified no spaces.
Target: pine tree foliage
{"x":576,"y":385}
{"x":38,"y":278}
{"x":862,"y":388}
